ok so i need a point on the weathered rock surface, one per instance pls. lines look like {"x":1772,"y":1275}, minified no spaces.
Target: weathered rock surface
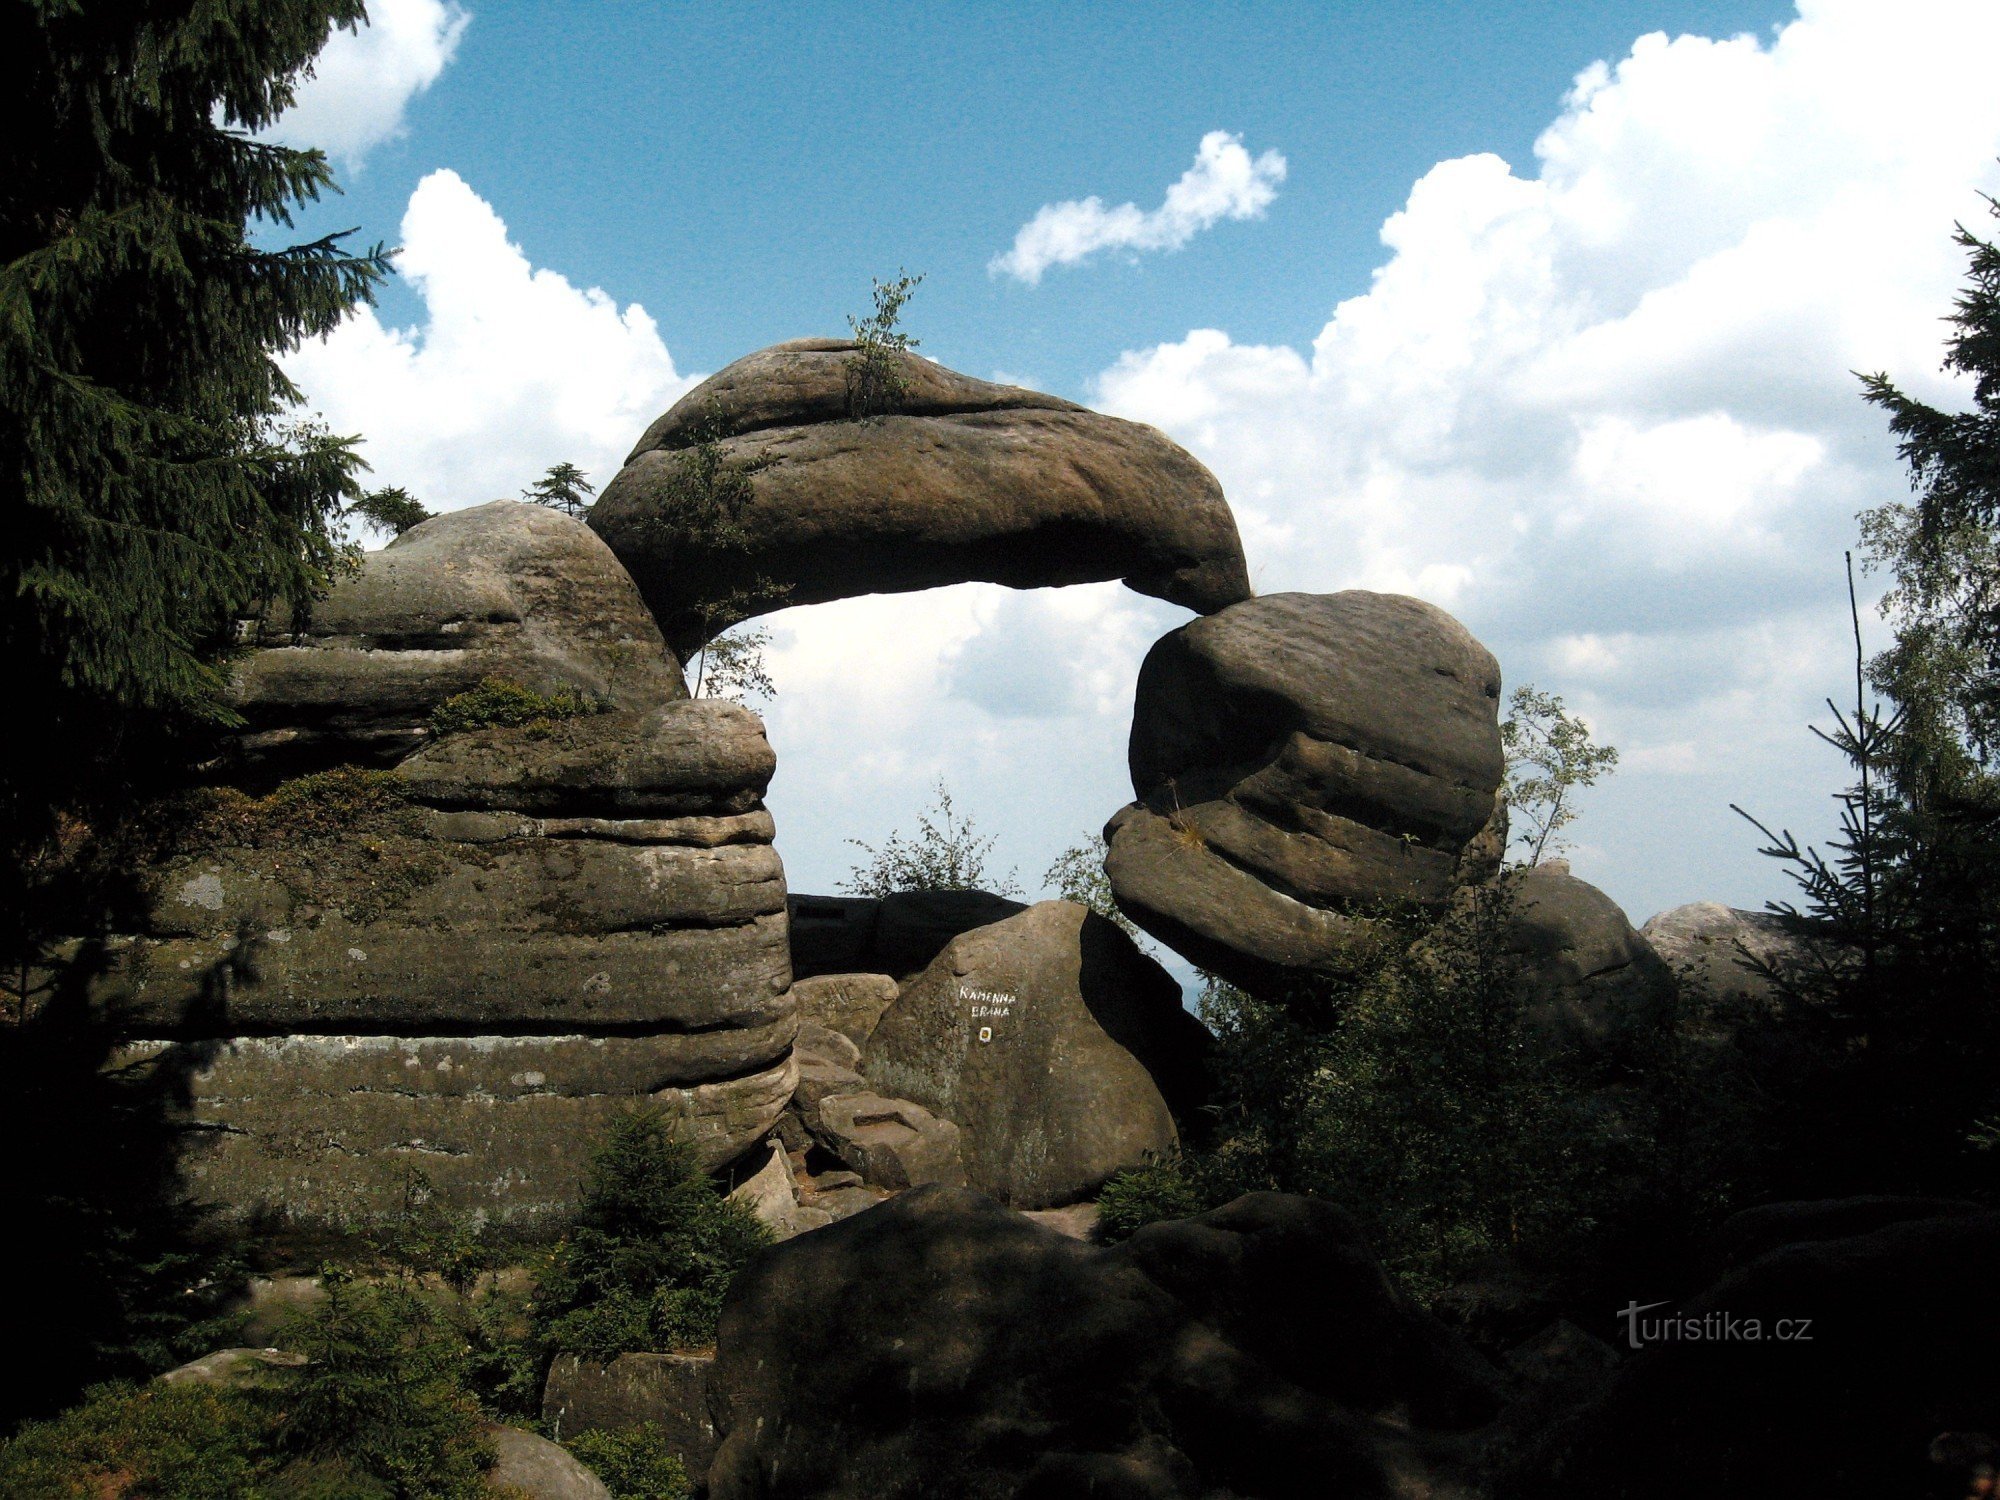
{"x":1724,"y":949}
{"x":313,"y":1131}
{"x":849,"y":1004}
{"x":232,"y":1367}
{"x":1890,"y":1343}
{"x":890,"y":1143}
{"x":1587,"y":975}
{"x":1060,"y":1049}
{"x":772,"y":1194}
{"x":1297,"y":758}
{"x":668,"y":1390}
{"x":964,"y":481}
{"x":897,"y":935}
{"x":403,"y":919}
{"x":506,"y":590}
{"x":534,"y":1468}
{"x":469,"y":955}
{"x":942,"y":1345}
{"x":1753,"y":1232}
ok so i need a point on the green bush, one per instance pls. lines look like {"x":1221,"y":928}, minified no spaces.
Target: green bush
{"x":499,"y":704}
{"x":1164,"y":1188}
{"x":167,"y":1442}
{"x":654,"y":1248}
{"x":634,"y":1465}
{"x":381,"y":1393}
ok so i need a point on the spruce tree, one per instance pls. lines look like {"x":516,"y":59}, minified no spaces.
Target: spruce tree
{"x":159,"y":486}
{"x":1890,"y":1030}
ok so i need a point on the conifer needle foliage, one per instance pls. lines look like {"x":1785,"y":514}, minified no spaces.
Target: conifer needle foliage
{"x":160,"y":481}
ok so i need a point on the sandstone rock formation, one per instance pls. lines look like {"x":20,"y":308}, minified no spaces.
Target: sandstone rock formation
{"x":668,"y":1390}
{"x":891,"y":1143}
{"x":896,"y":935}
{"x":463,"y":964}
{"x":506,"y":590}
{"x":1297,"y":758}
{"x":941,"y":1345}
{"x":1589,"y":976}
{"x":530,"y":1467}
{"x":1061,"y":1051}
{"x":1725,"y":950}
{"x":849,"y":1004}
{"x":963,"y":480}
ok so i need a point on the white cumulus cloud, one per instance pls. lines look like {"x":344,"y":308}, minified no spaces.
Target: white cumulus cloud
{"x":1604,"y":411}
{"x":512,"y":368}
{"x":364,"y":80}
{"x":1225,"y":182}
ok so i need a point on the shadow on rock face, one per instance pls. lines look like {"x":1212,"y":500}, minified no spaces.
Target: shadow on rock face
{"x":1825,"y":1367}
{"x":942,"y":1345}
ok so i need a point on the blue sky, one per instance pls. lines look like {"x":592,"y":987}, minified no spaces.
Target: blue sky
{"x":743,"y":172}
{"x":1544,"y":312}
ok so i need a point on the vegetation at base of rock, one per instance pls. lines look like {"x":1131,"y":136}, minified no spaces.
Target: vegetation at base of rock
{"x":380,"y":1393}
{"x":1161,"y":1189}
{"x":390,"y":511}
{"x":875,"y":379}
{"x":947,"y":853}
{"x":1551,"y":755}
{"x":498,"y":704}
{"x":178,"y":1442}
{"x":378,"y":1410}
{"x":1411,"y":1088}
{"x":565,"y":488}
{"x":635,"y":1464}
{"x":162,"y":482}
{"x":652,"y":1249}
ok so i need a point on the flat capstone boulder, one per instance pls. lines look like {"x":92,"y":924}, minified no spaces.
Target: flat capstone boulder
{"x":944,"y":479}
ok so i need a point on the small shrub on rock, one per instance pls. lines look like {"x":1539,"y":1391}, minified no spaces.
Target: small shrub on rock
{"x":1162,"y":1189}
{"x":654,"y":1248}
{"x":635,"y":1464}
{"x":499,"y":704}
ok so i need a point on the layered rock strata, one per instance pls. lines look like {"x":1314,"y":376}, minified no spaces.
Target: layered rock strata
{"x":465,"y":964}
{"x":1299,"y":758}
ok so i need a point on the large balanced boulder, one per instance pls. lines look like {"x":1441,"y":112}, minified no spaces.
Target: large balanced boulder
{"x":942,"y":1345}
{"x":1060,"y":1049}
{"x":504,"y":591}
{"x":1832,"y":1367}
{"x":466,"y":949}
{"x":1299,"y":758}
{"x":952,"y":480}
